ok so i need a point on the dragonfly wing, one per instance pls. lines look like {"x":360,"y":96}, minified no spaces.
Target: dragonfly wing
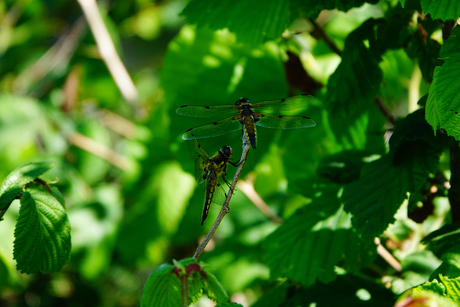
{"x":201,"y":158}
{"x":214,"y":129}
{"x":284,"y":121}
{"x":207,"y":111}
{"x":285,"y":104}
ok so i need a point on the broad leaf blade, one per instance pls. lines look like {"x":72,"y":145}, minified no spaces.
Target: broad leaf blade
{"x":42,"y":233}
{"x":162,"y":288}
{"x":252,"y":22}
{"x":441,"y":9}
{"x":306,"y":247}
{"x":17,"y":179}
{"x":375,"y":197}
{"x":213,"y":288}
{"x":443,"y":105}
{"x":357,"y":79}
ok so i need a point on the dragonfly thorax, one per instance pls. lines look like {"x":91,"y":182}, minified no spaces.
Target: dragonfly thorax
{"x":226,"y":151}
{"x":242,"y":100}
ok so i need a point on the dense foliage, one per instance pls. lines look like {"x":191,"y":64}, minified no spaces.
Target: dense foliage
{"x":99,"y":202}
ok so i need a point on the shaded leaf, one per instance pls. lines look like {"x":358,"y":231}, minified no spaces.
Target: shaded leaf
{"x":426,"y":51}
{"x":441,"y":9}
{"x":375,"y":197}
{"x":17,"y":179}
{"x":273,"y":297}
{"x":347,"y":290}
{"x":356,"y":81}
{"x":42,"y":233}
{"x":450,"y":255}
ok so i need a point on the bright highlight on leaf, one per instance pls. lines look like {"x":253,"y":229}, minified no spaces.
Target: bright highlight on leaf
{"x":441,"y":9}
{"x":308,"y":245}
{"x":443,"y":105}
{"x":17,"y":179}
{"x":42,"y":233}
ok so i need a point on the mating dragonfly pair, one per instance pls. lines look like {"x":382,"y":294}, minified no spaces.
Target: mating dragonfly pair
{"x":243,"y":115}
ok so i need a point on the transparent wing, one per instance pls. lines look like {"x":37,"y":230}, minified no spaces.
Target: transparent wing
{"x":219,"y":195}
{"x":285,"y":104}
{"x":207,"y":111}
{"x":201,"y":158}
{"x":284,"y":121}
{"x":214,"y":129}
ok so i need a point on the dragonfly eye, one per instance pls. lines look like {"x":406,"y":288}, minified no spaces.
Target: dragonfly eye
{"x":227,"y":151}
{"x":241,"y":100}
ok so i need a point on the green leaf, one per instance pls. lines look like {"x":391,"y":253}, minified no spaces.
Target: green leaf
{"x":449,"y":255}
{"x":213,"y":288}
{"x":375,"y":197}
{"x":17,"y":179}
{"x":445,"y":292}
{"x":356,"y":81}
{"x":346,"y":291}
{"x":273,"y":297}
{"x":441,"y":9}
{"x":252,"y":22}
{"x":42,"y":233}
{"x":443,"y":105}
{"x":426,"y":51}
{"x":452,"y":288}
{"x":162,"y":288}
{"x":307,"y":247}
{"x":312,"y":8}
{"x":229,"y":305}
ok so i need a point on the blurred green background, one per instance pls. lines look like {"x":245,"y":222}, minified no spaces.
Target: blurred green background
{"x":122,"y":166}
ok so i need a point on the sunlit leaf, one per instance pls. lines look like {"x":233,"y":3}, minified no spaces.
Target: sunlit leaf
{"x":42,"y":233}
{"x":375,"y":197}
{"x":441,"y":9}
{"x":306,"y":248}
{"x":312,"y":8}
{"x":16,"y":180}
{"x":162,"y":288}
{"x":443,"y":105}
{"x":252,"y":22}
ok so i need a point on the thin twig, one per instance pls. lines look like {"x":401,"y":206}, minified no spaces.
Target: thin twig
{"x":247,"y":187}
{"x":99,"y":150}
{"x":387,"y":256}
{"x":108,"y":52}
{"x":55,"y":59}
{"x":225,"y":208}
{"x":327,"y":39}
{"x":385,"y":110}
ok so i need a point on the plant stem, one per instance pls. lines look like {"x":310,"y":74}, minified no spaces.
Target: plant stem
{"x":327,"y":39}
{"x":225,"y":207}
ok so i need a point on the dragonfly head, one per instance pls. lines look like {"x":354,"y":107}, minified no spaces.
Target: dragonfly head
{"x":227,"y":151}
{"x":241,"y":101}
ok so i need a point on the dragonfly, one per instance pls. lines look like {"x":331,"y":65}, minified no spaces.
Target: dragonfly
{"x":247,"y":115}
{"x":213,"y":171}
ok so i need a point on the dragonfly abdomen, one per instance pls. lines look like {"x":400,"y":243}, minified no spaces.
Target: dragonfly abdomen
{"x":211,"y":184}
{"x":250,"y":129}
